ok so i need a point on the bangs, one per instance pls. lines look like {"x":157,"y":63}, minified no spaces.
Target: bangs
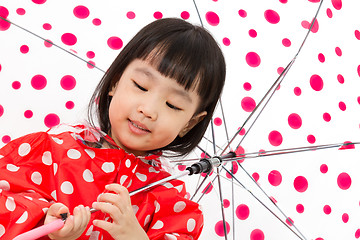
{"x":180,"y":59}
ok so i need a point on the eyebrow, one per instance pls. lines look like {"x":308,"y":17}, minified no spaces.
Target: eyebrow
{"x":151,"y":76}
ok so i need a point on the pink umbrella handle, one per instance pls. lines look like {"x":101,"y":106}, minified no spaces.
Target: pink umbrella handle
{"x":41,"y":231}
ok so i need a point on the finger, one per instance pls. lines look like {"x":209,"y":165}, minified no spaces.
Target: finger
{"x":103,"y":225}
{"x":81,"y":217}
{"x":110,"y":209}
{"x":122,"y":199}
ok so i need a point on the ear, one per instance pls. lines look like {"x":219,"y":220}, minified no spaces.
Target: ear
{"x":193,"y":121}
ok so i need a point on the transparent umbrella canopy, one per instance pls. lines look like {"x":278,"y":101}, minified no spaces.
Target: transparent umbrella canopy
{"x":53,"y":54}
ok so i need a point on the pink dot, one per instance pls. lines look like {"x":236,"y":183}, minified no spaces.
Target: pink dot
{"x":286,"y":42}
{"x":340,"y":78}
{"x":20,"y":11}
{"x":1,"y":110}
{"x":338,"y":51}
{"x":297,"y":91}
{"x":226,"y":41}
{"x":242,"y":132}
{"x":321,"y":57}
{"x":324,"y":168}
{"x":248,"y":104}
{"x":257,"y":234}
{"x":212,"y":18}
{"x":226,"y":203}
{"x":130,"y":15}
{"x":358,"y":70}
{"x":345,"y":217}
{"x":256,"y":176}
{"x":233,"y":169}
{"x":38,"y":82}
{"x":280,"y":70}
{"x":90,"y":54}
{"x":357,"y":233}
{"x":242,"y":13}
{"x":300,"y":184}
{"x":342,"y":106}
{"x":300,"y":208}
{"x":275,"y":138}
{"x":294,"y":121}
{"x":275,"y":178}
{"x":329,"y":13}
{"x":48,"y":43}
{"x":219,"y":228}
{"x":69,"y":39}
{"x":271,"y":16}
{"x":96,"y":21}
{"x":253,"y":59}
{"x":358,"y":98}
{"x":28,"y":114}
{"x":51,"y":120}
{"x":115,"y":43}
{"x":47,"y":26}
{"x":357,"y":34}
{"x":69,"y":105}
{"x":344,"y":181}
{"x":315,"y":27}
{"x":6,"y":139}
{"x":91,"y":64}
{"x":316,"y":82}
{"x":39,"y":1}
{"x":24,"y":49}
{"x":337,"y":4}
{"x":217,"y":121}
{"x":327,"y":117}
{"x":185,"y":15}
{"x":283,"y":1}
{"x":68,"y":82}
{"x":4,"y":13}
{"x":327,"y":209}
{"x":208,"y":188}
{"x":81,"y":12}
{"x":158,"y":15}
{"x":247,"y":86}
{"x":242,"y":212}
{"x":252,"y":33}
{"x":16,"y":85}
{"x":182,"y":167}
{"x":311,"y":139}
{"x":289,"y":221}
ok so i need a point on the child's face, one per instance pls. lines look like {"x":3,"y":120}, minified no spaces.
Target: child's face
{"x":148,"y":111}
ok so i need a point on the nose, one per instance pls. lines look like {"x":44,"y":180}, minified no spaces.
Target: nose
{"x":149,"y":109}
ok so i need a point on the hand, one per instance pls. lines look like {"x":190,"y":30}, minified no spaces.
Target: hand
{"x":118,"y":205}
{"x":74,"y":225}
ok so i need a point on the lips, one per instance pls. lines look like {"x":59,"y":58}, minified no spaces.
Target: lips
{"x":138,"y":127}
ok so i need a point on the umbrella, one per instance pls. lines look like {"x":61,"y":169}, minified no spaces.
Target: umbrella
{"x":315,"y":105}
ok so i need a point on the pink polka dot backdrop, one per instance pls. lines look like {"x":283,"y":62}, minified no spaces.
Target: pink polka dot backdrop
{"x":43,"y":82}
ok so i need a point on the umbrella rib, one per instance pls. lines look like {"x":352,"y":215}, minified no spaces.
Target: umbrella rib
{"x":54,"y":44}
{"x":277,"y":83}
{"x":263,"y":204}
{"x":222,"y":205}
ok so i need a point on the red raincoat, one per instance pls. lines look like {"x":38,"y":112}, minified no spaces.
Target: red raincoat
{"x":41,"y":168}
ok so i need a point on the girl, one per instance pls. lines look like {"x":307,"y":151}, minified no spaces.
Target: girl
{"x":157,"y":96}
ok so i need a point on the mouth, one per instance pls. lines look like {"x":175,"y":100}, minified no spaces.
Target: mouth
{"x":138,"y":127}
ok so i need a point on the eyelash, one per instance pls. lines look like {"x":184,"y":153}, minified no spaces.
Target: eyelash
{"x":139,"y":87}
{"x":168,"y":104}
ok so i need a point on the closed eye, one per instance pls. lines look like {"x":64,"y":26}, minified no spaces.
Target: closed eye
{"x":173,"y":107}
{"x":139,"y":87}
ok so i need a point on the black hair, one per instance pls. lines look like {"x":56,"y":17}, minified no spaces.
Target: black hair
{"x":178,"y":50}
